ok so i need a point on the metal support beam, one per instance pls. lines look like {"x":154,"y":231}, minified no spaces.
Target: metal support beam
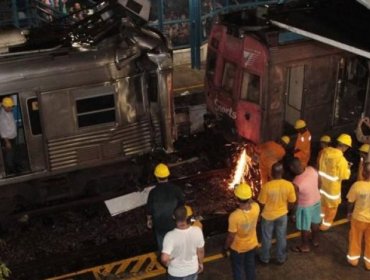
{"x":195,"y":32}
{"x":160,"y":14}
{"x":15,"y":13}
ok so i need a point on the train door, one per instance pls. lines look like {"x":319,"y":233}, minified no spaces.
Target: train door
{"x":294,"y":94}
{"x":14,"y":153}
{"x":33,"y":131}
{"x":248,"y":118}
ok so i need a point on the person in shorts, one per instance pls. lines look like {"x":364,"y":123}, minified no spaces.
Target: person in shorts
{"x":307,"y":214}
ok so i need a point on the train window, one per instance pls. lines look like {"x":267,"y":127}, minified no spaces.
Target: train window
{"x":228,"y":77}
{"x":250,"y":88}
{"x":134,"y":6}
{"x":34,"y":115}
{"x":95,"y":110}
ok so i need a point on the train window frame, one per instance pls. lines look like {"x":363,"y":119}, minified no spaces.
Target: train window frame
{"x":228,"y":76}
{"x":211,"y":64}
{"x":245,"y":93}
{"x":97,"y":116}
{"x":36,"y":128}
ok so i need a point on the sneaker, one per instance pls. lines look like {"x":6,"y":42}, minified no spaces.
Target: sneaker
{"x":261,"y":262}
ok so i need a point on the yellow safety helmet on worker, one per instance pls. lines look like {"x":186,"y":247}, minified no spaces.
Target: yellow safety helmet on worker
{"x":285,"y":139}
{"x":299,"y":124}
{"x":345,"y":139}
{"x":243,"y":191}
{"x":364,"y":148}
{"x":7,"y":102}
{"x":161,"y":171}
{"x":189,"y":211}
{"x":325,"y":139}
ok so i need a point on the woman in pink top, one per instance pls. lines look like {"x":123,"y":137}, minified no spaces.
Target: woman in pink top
{"x":308,"y":210}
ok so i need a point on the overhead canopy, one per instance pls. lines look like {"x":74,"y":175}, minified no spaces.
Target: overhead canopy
{"x":366,"y":3}
{"x":342,"y":23}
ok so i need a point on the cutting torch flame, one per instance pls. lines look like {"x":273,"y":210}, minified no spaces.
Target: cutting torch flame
{"x":242,"y":167}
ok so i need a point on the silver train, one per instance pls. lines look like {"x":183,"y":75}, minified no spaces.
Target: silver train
{"x":78,"y":109}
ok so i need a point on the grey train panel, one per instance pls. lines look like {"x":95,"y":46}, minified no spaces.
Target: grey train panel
{"x":86,"y":149}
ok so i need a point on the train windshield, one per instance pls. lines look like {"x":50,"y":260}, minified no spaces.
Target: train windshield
{"x":228,"y":78}
{"x":250,"y":88}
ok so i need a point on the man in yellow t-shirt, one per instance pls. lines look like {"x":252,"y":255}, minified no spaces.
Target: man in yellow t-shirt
{"x":242,"y":237}
{"x":359,"y":214}
{"x":275,"y":198}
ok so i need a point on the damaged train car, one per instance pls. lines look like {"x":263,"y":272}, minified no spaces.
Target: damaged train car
{"x":104,"y":96}
{"x":261,"y":79}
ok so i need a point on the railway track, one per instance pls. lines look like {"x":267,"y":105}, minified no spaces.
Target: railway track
{"x":55,"y":239}
{"x":101,"y":198}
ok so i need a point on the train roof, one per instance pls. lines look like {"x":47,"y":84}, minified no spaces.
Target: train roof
{"x":252,"y":21}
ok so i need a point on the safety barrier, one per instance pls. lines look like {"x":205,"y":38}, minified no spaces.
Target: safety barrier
{"x":139,"y":267}
{"x":142,"y":267}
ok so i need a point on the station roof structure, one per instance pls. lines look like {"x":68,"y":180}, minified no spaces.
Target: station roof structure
{"x":340,"y":23}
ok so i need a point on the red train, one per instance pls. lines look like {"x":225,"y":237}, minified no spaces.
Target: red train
{"x":260,"y":79}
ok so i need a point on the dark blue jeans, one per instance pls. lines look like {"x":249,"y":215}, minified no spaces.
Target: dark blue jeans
{"x":189,"y":277}
{"x":10,"y":157}
{"x":243,"y":265}
{"x":268,"y":227}
{"x":159,"y":236}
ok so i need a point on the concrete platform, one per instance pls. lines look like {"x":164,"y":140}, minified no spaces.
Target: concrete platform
{"x":328,"y":261}
{"x":187,"y":79}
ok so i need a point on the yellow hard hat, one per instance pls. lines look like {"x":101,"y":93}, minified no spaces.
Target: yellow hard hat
{"x":300,"y":124}
{"x":345,"y":139}
{"x":243,"y":191}
{"x":7,"y":102}
{"x":189,"y":211}
{"x":161,"y":171}
{"x":364,"y":148}
{"x":325,"y":139}
{"x":285,"y":139}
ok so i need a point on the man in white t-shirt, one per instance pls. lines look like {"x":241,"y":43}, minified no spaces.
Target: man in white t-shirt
{"x":8,"y":134}
{"x":183,"y":249}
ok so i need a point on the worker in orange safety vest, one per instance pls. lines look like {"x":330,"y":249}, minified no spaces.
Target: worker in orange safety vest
{"x":364,"y":150}
{"x":271,"y":152}
{"x":325,"y":141}
{"x":359,"y":215}
{"x":302,"y":148}
{"x":333,"y":168}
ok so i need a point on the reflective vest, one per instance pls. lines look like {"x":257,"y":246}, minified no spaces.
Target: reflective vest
{"x":303,"y":147}
{"x":333,"y":168}
{"x":269,"y":153}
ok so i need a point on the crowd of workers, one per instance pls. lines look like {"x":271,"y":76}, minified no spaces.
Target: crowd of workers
{"x":311,"y":195}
